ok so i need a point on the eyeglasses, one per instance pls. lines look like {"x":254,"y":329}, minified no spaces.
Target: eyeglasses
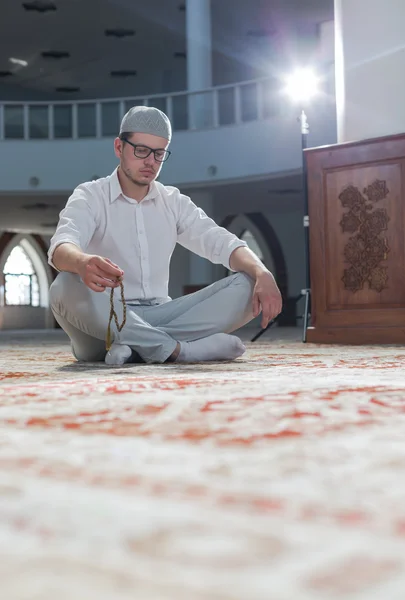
{"x":141,"y":151}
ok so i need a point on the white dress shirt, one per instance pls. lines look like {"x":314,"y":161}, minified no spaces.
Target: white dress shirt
{"x":140,"y":236}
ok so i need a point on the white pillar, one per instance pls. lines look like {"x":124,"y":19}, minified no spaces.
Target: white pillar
{"x":370,"y":68}
{"x":199,"y":61}
{"x":201,"y":270}
{"x":2,"y":285}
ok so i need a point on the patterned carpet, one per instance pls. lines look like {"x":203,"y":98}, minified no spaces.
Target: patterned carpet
{"x":276,"y":477}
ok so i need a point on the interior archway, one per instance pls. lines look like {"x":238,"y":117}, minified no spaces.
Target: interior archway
{"x":25,"y":281}
{"x":262,"y":236}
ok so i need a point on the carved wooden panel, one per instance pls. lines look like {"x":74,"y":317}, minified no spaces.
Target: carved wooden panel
{"x":362,"y":241}
{"x":367,"y":249}
{"x":357,"y":241}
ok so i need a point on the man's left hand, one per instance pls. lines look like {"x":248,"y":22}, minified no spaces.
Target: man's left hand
{"x":266,"y":298}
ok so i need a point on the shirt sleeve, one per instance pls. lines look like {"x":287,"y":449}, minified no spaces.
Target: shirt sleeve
{"x":77,"y":222}
{"x":200,"y":234}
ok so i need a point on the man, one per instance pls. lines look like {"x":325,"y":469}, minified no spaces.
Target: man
{"x":126,"y":226}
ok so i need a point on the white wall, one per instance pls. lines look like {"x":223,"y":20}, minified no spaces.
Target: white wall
{"x":370,"y":44}
{"x":326,"y":47}
{"x":24,"y":317}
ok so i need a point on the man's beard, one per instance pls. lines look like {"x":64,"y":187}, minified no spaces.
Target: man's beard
{"x":133,"y":180}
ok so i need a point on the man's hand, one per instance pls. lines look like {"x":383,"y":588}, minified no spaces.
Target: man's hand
{"x":266,"y":298}
{"x":98,"y":273}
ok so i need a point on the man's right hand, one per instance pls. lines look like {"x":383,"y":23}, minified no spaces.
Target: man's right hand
{"x":99,"y":273}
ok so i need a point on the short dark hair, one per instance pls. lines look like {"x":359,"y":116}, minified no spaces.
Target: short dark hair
{"x":124,"y":135}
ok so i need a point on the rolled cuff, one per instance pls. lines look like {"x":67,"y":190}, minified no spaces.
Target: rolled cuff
{"x":228,"y":251}
{"x":55,"y":245}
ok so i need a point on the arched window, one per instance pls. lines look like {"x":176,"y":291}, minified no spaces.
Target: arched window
{"x":21,"y":286}
{"x":248,"y":237}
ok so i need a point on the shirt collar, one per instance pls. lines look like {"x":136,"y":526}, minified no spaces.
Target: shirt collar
{"x":115,"y":186}
{"x":116,"y":190}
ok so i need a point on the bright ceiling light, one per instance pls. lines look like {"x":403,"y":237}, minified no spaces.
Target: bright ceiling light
{"x":302,"y":85}
{"x":19,"y":62}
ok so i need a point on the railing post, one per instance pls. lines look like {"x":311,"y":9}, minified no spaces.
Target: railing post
{"x":169,"y":107}
{"x":51,"y":133}
{"x":2,"y":124}
{"x":75,"y":128}
{"x":260,"y":103}
{"x":26,"y":121}
{"x":238,"y":105}
{"x":98,"y":120}
{"x":190,"y":111}
{"x":215,"y":108}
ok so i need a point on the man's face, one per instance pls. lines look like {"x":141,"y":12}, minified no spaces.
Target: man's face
{"x":141,"y":171}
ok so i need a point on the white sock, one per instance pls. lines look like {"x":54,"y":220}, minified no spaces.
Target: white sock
{"x":219,"y":346}
{"x":118,"y":354}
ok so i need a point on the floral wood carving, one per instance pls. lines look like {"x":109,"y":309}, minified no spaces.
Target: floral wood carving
{"x":366,"y":250}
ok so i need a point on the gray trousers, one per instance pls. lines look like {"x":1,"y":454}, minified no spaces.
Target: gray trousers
{"x":151,"y":331}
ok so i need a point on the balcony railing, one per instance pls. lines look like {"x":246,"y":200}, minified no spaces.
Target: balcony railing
{"x":215,"y":107}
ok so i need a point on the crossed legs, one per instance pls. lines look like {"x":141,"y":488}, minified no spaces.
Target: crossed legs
{"x":152,"y":332}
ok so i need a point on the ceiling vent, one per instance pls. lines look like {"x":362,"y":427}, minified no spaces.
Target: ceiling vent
{"x":5,"y":73}
{"x":119,"y":32}
{"x":67,"y":89}
{"x":260,"y":33}
{"x":55,"y":54}
{"x":36,"y":206}
{"x":41,"y":6}
{"x":123,"y":73}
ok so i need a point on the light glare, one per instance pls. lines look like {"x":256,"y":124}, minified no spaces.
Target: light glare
{"x":302,"y":85}
{"x":19,"y":61}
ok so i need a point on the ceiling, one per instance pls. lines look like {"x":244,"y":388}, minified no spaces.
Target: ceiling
{"x":247,"y":35}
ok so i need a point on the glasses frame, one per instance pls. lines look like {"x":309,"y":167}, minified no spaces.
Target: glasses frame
{"x":135,"y":146}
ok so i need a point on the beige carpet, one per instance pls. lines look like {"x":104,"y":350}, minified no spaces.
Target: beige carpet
{"x":277,"y":477}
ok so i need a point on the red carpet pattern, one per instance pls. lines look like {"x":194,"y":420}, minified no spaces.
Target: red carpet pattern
{"x":278,"y":476}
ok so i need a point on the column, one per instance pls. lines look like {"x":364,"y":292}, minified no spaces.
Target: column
{"x":199,"y":62}
{"x":326,"y":53}
{"x":200,"y":269}
{"x":2,"y":285}
{"x":370,"y":64}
